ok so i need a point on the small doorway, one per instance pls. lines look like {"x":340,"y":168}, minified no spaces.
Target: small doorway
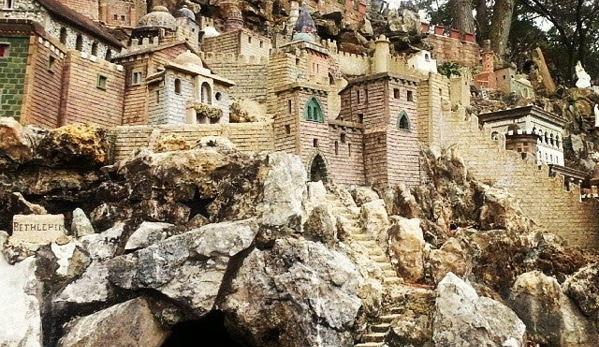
{"x":318,"y":169}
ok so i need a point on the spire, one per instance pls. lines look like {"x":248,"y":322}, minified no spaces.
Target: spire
{"x":304,"y":29}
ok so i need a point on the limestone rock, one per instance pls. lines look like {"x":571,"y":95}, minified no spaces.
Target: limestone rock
{"x":81,"y":226}
{"x":15,"y":147}
{"x":583,"y":288}
{"x":78,"y":291}
{"x":406,"y":245}
{"x":171,"y":142}
{"x":284,"y":187}
{"x":451,"y":257}
{"x":20,"y":304}
{"x":321,"y":226}
{"x":414,"y":326}
{"x":128,"y":324}
{"x":464,"y":319}
{"x":215,"y":142}
{"x":147,"y":234}
{"x":550,"y":317}
{"x":374,"y":219}
{"x":74,"y":145}
{"x":188,"y":268}
{"x":362,"y":195}
{"x":501,"y":210}
{"x":316,"y":195}
{"x":300,"y":289}
{"x":103,"y":245}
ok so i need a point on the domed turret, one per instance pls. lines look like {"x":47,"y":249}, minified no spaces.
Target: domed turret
{"x":160,"y":17}
{"x":188,"y":58}
{"x":234,"y":18}
{"x":304,"y":29}
{"x":185,"y":12}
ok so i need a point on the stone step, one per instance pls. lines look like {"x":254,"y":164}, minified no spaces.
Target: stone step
{"x":380,"y":258}
{"x":375,"y":252}
{"x":370,"y":344}
{"x":388,"y":318}
{"x":389,"y":273}
{"x":386,"y":266}
{"x":392,"y":280}
{"x":361,"y":236}
{"x":368,"y":243}
{"x":374,"y":337}
{"x":380,"y":328}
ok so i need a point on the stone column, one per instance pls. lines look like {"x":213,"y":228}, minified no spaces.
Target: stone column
{"x":381,"y":56}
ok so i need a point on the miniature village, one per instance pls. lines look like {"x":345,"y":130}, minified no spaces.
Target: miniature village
{"x":287,"y":173}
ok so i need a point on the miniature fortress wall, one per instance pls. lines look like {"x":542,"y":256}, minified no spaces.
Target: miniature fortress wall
{"x":542,"y":198}
{"x":254,"y":137}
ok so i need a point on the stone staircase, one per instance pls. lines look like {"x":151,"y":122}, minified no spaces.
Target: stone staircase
{"x":376,"y":330}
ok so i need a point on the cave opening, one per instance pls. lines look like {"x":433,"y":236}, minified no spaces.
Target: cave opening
{"x":207,"y":331}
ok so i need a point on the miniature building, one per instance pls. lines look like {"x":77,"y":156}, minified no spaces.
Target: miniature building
{"x":423,"y":61}
{"x":529,"y":129}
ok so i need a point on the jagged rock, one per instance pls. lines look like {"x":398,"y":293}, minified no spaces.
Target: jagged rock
{"x":501,"y":210}
{"x":81,"y":226}
{"x":316,"y":193}
{"x":362,"y":195}
{"x":171,"y":142}
{"x":78,"y":291}
{"x":284,"y":187}
{"x":189,"y":267}
{"x":550,"y":317}
{"x":147,"y":234}
{"x":299,"y":289}
{"x":20,"y":303}
{"x":406,"y":245}
{"x":78,"y":145}
{"x":15,"y":203}
{"x":128,"y":324}
{"x":15,"y":147}
{"x":215,"y":142}
{"x":451,"y":257}
{"x":464,"y":319}
{"x":374,"y":219}
{"x":583,"y":288}
{"x":413,"y":327}
{"x":321,"y":226}
{"x":103,"y":245}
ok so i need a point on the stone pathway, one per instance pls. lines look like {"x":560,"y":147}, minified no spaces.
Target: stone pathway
{"x":377,"y":330}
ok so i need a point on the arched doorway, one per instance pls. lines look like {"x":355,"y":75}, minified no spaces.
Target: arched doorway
{"x":318,"y":169}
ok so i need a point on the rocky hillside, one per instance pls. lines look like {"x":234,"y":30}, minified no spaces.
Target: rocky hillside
{"x":170,"y":245}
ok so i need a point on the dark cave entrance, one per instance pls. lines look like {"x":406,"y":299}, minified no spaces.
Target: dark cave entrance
{"x":208,"y":331}
{"x":318,"y":169}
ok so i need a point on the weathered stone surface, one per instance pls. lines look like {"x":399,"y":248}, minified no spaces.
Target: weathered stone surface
{"x":128,"y":324}
{"x":188,"y":268}
{"x":464,"y":319}
{"x":451,"y":257}
{"x":362,"y":195}
{"x":78,"y":291}
{"x":583,"y":288}
{"x":147,"y":234}
{"x":81,"y":226}
{"x":20,"y":303}
{"x":414,"y":326}
{"x":501,"y":210}
{"x":74,"y":145}
{"x":103,"y":245}
{"x":321,"y":226}
{"x":300,"y":289}
{"x":284,"y":187}
{"x":406,"y":245}
{"x":374,"y":219}
{"x":171,"y":142}
{"x":15,"y":147}
{"x":550,"y":317}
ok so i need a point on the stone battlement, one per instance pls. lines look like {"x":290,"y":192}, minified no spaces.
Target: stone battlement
{"x":230,"y":58}
{"x":98,"y":61}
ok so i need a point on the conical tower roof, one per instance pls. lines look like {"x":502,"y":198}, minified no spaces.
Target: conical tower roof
{"x":304,"y":23}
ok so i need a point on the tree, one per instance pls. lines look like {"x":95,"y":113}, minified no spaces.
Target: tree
{"x":501,"y":23}
{"x":574,"y":26}
{"x":462,"y":15}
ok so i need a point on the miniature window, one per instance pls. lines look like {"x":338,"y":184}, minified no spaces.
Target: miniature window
{"x":261,"y":44}
{"x":343,"y":138}
{"x":136,"y":78}
{"x":357,"y":96}
{"x":79,"y":43}
{"x":365,"y":96}
{"x":101,"y":84}
{"x":4,"y":50}
{"x":8,"y":4}
{"x":123,"y":18}
{"x":313,"y":111}
{"x":315,"y":143}
{"x":404,"y":122}
{"x":289,"y":105}
{"x":94,"y":49}
{"x":218,"y":96}
{"x":157,"y":96}
{"x":410,"y":95}
{"x":396,"y":93}
{"x":63,"y":35}
{"x":116,"y":17}
{"x":336,"y":148}
{"x":177,"y":86}
{"x":427,"y":57}
{"x":108,"y":54}
{"x":287,"y":129}
{"x":51,"y":62}
{"x":495,"y":136}
{"x":360,"y":117}
{"x":206,"y":94}
{"x":349,"y":149}
{"x":249,"y":39}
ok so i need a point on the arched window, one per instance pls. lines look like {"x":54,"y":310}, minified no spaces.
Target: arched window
{"x":79,"y":43}
{"x":94,"y":49}
{"x":63,"y":35}
{"x":403,"y":121}
{"x":177,"y":86}
{"x":206,"y":94}
{"x":557,"y":141}
{"x":313,"y":111}
{"x":108,"y":54}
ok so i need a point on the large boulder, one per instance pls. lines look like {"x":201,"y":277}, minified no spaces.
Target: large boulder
{"x":75,"y":145}
{"x":16,"y":146}
{"x":299,"y":293}
{"x":583,"y":288}
{"x":551,"y":318}
{"x":451,"y":257}
{"x":188,"y":268}
{"x":406,"y":245}
{"x":375,"y":220}
{"x":128,"y":324}
{"x":321,"y":225}
{"x":464,"y":319}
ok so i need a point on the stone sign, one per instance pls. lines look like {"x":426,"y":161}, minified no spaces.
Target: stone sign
{"x":37,"y":229}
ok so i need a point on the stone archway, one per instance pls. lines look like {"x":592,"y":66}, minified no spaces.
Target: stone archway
{"x":318,"y":169}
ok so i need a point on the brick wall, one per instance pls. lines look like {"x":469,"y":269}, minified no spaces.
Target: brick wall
{"x":84,"y":101}
{"x":12,"y":75}
{"x":253,"y":44}
{"x":447,"y":49}
{"x":117,"y":13}
{"x":44,"y":84}
{"x":246,"y":136}
{"x":345,"y":155}
{"x":433,"y":103}
{"x":248,"y":74}
{"x":87,"y":8}
{"x":223,"y":43}
{"x":286,"y":123}
{"x":176,"y":112}
{"x":542,"y":198}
